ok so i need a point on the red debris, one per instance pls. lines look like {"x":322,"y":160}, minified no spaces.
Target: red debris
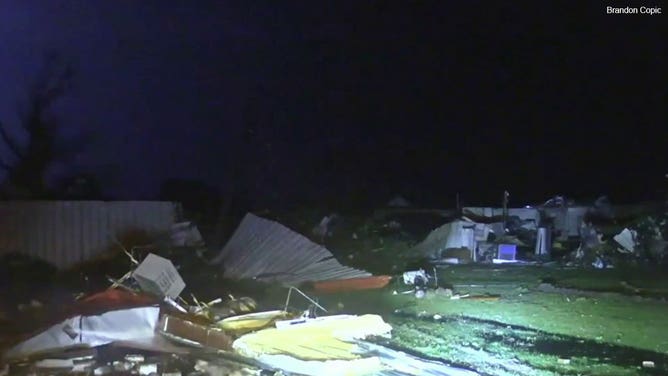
{"x":352,"y":284}
{"x":111,"y":300}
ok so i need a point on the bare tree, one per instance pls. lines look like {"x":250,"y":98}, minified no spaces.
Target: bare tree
{"x":30,"y":160}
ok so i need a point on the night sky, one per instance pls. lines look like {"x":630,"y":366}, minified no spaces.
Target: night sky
{"x":302,"y":102}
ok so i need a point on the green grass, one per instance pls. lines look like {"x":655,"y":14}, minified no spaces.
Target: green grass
{"x":593,"y":333}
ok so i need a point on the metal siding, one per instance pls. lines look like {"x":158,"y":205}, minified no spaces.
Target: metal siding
{"x":260,"y":247}
{"x":68,"y":232}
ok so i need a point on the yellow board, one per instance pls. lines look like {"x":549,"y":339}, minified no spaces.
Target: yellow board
{"x":251,"y":322}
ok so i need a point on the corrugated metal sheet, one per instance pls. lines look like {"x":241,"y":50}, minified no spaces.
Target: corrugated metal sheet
{"x":67,"y":232}
{"x":267,"y":250}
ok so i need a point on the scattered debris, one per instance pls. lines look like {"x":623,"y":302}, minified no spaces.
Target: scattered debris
{"x":647,"y":364}
{"x":189,"y":332}
{"x":186,"y":234}
{"x":486,"y":297}
{"x":627,"y":239}
{"x":419,"y":279}
{"x":590,"y":240}
{"x":217,"y":310}
{"x":324,"y":229}
{"x":391,"y":227}
{"x":144,"y":313}
{"x":454,"y":235}
{"x":399,"y":202}
{"x":415,"y":277}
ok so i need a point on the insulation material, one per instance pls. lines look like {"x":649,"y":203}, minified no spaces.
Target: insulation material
{"x":324,"y":338}
{"x":266,"y":250}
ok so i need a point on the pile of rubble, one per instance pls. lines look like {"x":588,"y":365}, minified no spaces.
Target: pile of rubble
{"x":142,"y":325}
{"x":597,"y":234}
{"x":642,"y":240}
{"x":159,"y":332}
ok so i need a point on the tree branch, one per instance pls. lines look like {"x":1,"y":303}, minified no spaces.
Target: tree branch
{"x":13,"y":146}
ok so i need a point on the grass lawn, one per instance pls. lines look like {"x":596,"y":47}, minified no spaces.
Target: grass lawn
{"x":546,"y":321}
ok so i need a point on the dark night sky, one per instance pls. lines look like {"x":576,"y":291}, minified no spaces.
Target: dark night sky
{"x":354,"y":99}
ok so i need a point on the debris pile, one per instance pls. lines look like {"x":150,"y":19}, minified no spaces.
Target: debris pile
{"x":143,"y":312}
{"x":141,"y":324}
{"x":597,"y":235}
